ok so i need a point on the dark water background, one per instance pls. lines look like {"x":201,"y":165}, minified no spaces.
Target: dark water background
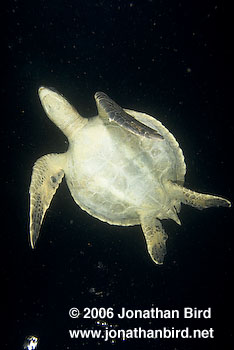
{"x":171,"y":59}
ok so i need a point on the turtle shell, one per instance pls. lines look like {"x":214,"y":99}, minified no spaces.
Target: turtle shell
{"x":114,"y":174}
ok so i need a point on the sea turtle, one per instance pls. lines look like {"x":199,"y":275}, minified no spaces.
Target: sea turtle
{"x":122,"y":167}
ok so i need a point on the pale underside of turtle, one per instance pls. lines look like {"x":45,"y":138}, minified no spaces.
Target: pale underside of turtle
{"x":122,"y":167}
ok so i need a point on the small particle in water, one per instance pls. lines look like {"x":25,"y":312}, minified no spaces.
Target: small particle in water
{"x":30,"y":342}
{"x":93,"y":290}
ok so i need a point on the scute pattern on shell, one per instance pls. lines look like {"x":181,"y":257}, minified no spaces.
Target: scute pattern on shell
{"x":156,"y":124}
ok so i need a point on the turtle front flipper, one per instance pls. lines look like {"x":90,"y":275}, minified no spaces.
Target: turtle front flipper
{"x":108,"y":108}
{"x":155,"y":237}
{"x":46,"y":177}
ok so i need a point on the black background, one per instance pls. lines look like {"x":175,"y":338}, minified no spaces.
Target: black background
{"x":171,"y":59}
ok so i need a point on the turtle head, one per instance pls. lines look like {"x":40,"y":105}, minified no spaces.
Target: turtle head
{"x":60,"y":111}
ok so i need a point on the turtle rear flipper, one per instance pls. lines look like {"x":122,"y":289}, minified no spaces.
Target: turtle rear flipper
{"x":202,"y":201}
{"x":46,"y":177}
{"x":155,"y":237}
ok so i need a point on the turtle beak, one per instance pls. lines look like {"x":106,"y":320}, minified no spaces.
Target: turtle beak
{"x":43,"y":92}
{"x":53,"y":103}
